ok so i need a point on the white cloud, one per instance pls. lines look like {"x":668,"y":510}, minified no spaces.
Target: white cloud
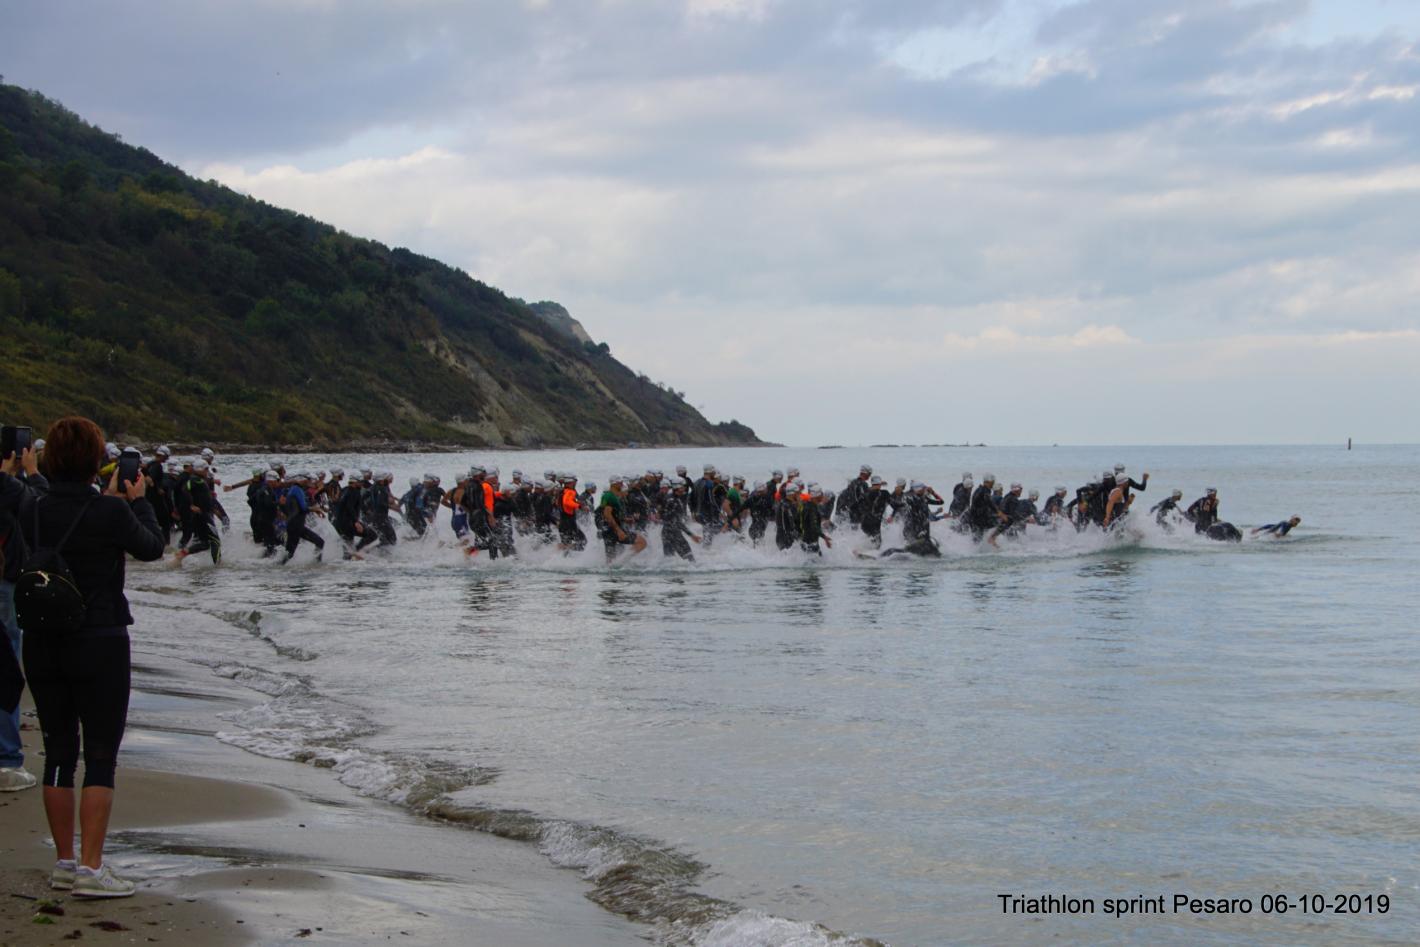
{"x":935,"y":198}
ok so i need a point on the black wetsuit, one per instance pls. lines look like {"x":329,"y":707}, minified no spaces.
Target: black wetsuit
{"x":204,"y":533}
{"x":262,"y":500}
{"x":981,"y":513}
{"x":377,"y":509}
{"x":1163,"y":508}
{"x":695,"y":495}
{"x":772,"y":489}
{"x":810,"y":526}
{"x":570,"y":533}
{"x":708,"y":512}
{"x":297,"y":505}
{"x":719,"y":496}
{"x":961,"y":499}
{"x":182,"y":503}
{"x":504,"y":509}
{"x":345,"y":515}
{"x":786,"y":523}
{"x":159,"y":494}
{"x":544,"y":516}
{"x":477,"y":510}
{"x":1202,"y":514}
{"x":917,"y":527}
{"x":523,"y":506}
{"x":1084,"y":498}
{"x":433,"y":500}
{"x":1054,"y":506}
{"x":761,"y":510}
{"x":738,"y":501}
{"x":674,"y":532}
{"x":1100,"y":501}
{"x":851,"y":501}
{"x":1277,"y":529}
{"x":411,"y":504}
{"x":637,"y":508}
{"x":875,"y":505}
{"x":1026,"y":512}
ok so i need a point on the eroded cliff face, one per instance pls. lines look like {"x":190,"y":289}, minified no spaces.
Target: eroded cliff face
{"x":224,"y":319}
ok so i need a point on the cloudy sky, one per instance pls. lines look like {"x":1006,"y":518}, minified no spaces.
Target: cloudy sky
{"x":1010,"y":221}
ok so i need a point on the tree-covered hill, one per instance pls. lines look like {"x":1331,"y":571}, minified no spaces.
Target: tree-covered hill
{"x":168,"y":308}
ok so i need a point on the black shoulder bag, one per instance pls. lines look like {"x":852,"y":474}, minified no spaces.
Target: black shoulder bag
{"x":47,"y":599}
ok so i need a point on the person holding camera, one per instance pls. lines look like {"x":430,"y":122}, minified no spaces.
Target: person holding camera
{"x":19,"y":476}
{"x":80,"y":676}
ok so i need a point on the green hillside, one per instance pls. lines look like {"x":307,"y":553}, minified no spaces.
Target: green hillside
{"x":168,"y":308}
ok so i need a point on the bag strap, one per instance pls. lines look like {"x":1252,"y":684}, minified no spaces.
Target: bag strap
{"x":72,"y":526}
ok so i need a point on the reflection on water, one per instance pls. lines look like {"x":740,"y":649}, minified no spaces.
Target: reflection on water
{"x":798,"y":596}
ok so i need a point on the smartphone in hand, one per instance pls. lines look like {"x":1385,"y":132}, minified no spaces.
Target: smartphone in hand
{"x":14,"y":440}
{"x":130,"y":463}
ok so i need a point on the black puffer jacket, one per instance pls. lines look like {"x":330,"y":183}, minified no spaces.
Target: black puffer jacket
{"x":110,"y":528}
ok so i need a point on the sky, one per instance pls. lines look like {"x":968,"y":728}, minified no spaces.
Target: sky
{"x":853,"y":222}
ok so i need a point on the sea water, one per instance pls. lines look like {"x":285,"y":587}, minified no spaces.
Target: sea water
{"x":778,"y":748}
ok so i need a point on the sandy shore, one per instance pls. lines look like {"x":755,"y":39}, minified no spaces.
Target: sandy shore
{"x":231,"y":848}
{"x":33,"y":914}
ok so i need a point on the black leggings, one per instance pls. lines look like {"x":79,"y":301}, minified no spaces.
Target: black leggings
{"x":296,"y":530}
{"x":206,"y":539}
{"x":79,"y":682}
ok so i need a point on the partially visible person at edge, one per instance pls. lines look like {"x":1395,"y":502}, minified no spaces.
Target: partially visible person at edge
{"x":80,"y":681}
{"x":19,"y":477}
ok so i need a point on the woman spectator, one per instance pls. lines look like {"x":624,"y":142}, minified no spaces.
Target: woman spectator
{"x":19,"y":476}
{"x":80,"y":681}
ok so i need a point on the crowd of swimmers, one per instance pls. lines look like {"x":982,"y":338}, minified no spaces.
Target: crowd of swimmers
{"x":494,"y":516}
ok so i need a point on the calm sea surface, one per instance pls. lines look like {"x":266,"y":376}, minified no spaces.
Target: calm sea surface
{"x":760,"y":748}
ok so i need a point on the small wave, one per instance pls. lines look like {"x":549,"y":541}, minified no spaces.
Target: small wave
{"x":755,"y":929}
{"x":258,"y":625}
{"x":631,"y":876}
{"x":642,"y":880}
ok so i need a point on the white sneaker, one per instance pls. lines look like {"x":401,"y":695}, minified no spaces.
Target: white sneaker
{"x":62,"y":877}
{"x":102,"y":883}
{"x":15,"y":778}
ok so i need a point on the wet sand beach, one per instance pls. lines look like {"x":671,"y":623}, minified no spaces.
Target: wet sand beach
{"x":228,"y":848}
